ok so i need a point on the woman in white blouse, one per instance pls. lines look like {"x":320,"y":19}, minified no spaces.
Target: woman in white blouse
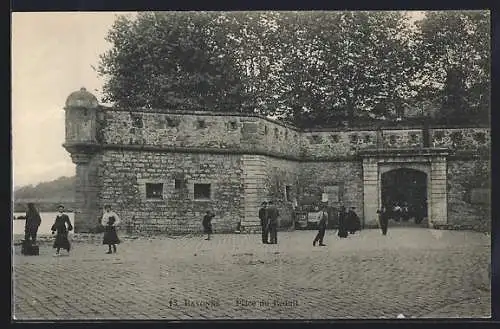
{"x":110,"y":220}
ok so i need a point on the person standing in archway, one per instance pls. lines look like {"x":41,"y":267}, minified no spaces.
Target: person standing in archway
{"x":419,"y":213}
{"x":405,"y":214}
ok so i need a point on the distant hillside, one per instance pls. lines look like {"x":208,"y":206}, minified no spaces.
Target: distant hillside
{"x":45,"y":194}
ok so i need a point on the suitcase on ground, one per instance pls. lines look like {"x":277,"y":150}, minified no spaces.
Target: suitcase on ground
{"x":29,"y":249}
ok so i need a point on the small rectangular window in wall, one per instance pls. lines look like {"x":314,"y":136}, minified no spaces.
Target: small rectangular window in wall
{"x":288,"y":193}
{"x":202,"y":191}
{"x":179,"y":184}
{"x":154,"y":191}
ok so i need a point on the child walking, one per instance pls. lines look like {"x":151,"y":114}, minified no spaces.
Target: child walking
{"x":62,"y":226}
{"x":110,"y":220}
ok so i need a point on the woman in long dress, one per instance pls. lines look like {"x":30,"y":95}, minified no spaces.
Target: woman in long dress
{"x":110,"y":221}
{"x":61,"y":227}
{"x":342,"y":232}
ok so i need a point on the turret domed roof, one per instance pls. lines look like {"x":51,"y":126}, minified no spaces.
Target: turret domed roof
{"x":82,"y":98}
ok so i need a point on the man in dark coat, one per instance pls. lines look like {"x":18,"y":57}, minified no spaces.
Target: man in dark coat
{"x":33,"y":221}
{"x":322,"y":227}
{"x":383,"y":220}
{"x":419,"y":214}
{"x":207,"y":223}
{"x":342,"y":232}
{"x":272,"y":216}
{"x":353,"y":221}
{"x":264,"y":222}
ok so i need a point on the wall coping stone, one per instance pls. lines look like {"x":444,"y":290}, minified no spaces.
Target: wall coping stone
{"x":375,"y":126}
{"x":201,"y":113}
{"x":386,"y":152}
{"x":88,"y":148}
{"x":82,"y":147}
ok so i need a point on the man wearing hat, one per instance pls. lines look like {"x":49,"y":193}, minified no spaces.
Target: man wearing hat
{"x":272,"y":216}
{"x":264,"y":222}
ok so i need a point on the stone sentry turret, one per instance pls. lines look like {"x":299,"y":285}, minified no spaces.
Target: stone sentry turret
{"x":81,"y":142}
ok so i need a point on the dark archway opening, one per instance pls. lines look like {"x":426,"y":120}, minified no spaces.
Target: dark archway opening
{"x":404,"y":194}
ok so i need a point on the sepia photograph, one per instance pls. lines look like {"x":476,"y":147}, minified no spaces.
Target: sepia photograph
{"x":255,"y":165}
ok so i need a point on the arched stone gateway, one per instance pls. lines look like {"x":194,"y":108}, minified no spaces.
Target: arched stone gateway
{"x":405,"y":187}
{"x":422,"y":172}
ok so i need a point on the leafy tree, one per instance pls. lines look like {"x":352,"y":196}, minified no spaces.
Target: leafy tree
{"x":454,"y":52}
{"x":307,"y":68}
{"x":170,"y":60}
{"x":340,"y":65}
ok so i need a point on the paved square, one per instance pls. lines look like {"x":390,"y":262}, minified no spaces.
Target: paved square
{"x":416,"y":272}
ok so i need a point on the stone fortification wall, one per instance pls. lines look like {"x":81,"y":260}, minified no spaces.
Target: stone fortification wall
{"x":245,"y":159}
{"x":469,"y":196}
{"x":252,"y":134}
{"x":342,"y":180}
{"x":199,"y":130}
{"x":282,"y":185}
{"x":336,"y":145}
{"x":462,"y":139}
{"x":125,"y":175}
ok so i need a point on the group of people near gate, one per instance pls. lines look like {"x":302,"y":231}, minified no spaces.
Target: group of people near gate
{"x":402,"y":212}
{"x":61,"y":228}
{"x":268,"y":215}
{"x":348,"y":223}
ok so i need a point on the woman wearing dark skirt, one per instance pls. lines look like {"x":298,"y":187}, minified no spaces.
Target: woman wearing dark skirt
{"x":110,"y":220}
{"x":342,"y":232}
{"x":61,"y":227}
{"x":207,"y":224}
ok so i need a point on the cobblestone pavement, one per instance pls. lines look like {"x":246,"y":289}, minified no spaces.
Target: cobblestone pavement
{"x":411,"y":271}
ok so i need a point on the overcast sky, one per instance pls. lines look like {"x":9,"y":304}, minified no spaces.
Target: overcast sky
{"x":52,"y":56}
